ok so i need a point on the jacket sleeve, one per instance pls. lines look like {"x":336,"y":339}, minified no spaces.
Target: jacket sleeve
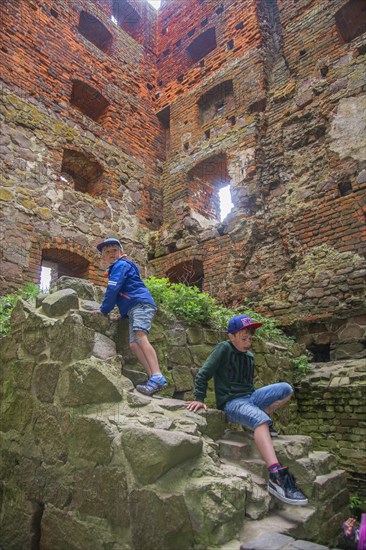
{"x":116,"y":280}
{"x":206,"y":372}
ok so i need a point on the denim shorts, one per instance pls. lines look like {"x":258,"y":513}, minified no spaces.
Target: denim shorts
{"x":140,"y":317}
{"x":248,"y":411}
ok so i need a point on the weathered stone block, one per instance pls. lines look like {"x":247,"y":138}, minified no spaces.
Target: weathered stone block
{"x":88,"y":382}
{"x":45,"y":381}
{"x":87,"y":532}
{"x":102,"y":492}
{"x":151,"y":453}
{"x":182,"y":378}
{"x":60,"y":302}
{"x":91,"y":439}
{"x":83,"y":288}
{"x":168,"y":527}
{"x":104,"y":347}
{"x":213,"y":523}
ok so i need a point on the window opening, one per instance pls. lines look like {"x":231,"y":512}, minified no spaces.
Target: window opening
{"x":81,"y":172}
{"x":204,"y":183}
{"x":164,"y":116}
{"x":125,"y":14}
{"x":189,"y":273}
{"x":202,"y":45}
{"x":216,"y":101}
{"x":351,"y":20}
{"x":46,"y":276}
{"x":94,"y":31}
{"x":88,"y":100}
{"x":345,"y":187}
{"x":226,"y":204}
{"x":164,"y":119}
{"x":56,"y":263}
{"x":321,"y":352}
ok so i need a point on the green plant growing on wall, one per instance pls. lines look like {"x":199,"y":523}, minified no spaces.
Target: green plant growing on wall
{"x":357,"y":506}
{"x":301,"y":368}
{"x":8,"y":302}
{"x":195,"y":307}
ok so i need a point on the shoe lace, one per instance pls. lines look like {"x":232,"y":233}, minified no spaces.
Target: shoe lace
{"x":290,"y":482}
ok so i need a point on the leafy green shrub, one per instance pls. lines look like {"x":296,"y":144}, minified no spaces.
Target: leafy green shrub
{"x":301,"y":368}
{"x":357,"y":506}
{"x":8,"y":302}
{"x":195,"y":307}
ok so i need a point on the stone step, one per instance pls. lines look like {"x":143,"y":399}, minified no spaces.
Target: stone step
{"x":257,"y":466}
{"x":234,"y":450}
{"x":323,"y":462}
{"x":285,"y":521}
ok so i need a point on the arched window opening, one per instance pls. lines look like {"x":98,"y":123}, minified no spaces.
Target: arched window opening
{"x":351,"y":20}
{"x":57,"y":263}
{"x":217,"y":101}
{"x":83,"y":173}
{"x":125,"y":15}
{"x":93,"y":30}
{"x":189,"y":273}
{"x":202,"y":45}
{"x":88,"y":100}
{"x":204,"y":183}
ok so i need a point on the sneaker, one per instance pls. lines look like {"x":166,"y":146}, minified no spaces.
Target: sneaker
{"x":272,"y":431}
{"x":154,"y":385}
{"x":282,"y":485}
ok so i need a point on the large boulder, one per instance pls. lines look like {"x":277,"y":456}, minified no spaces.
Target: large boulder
{"x":153,"y":452}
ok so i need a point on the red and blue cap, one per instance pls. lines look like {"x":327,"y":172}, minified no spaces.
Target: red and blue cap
{"x":240,"y":322}
{"x":107,"y":242}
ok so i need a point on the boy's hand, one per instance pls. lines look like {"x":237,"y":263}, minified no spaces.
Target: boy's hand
{"x":194,"y":406}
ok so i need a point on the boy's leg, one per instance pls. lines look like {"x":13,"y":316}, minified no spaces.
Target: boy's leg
{"x":140,"y":318}
{"x":245,"y":412}
{"x":145,"y":353}
{"x":272,"y":397}
{"x":264,"y":445}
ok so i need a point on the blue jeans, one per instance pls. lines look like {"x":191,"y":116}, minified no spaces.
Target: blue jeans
{"x":140,"y":318}
{"x":248,"y":411}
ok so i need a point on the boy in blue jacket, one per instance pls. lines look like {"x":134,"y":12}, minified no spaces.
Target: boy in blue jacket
{"x":127,"y":291}
{"x":231,"y":365}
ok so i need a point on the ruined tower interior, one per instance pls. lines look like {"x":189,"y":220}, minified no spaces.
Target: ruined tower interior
{"x":120,"y":120}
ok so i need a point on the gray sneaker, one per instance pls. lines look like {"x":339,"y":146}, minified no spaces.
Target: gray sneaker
{"x":282,"y":485}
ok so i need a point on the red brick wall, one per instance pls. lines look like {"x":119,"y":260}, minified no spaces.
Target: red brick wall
{"x":285,"y":133}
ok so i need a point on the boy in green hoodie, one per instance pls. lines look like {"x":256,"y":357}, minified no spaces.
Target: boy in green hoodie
{"x":231,"y":365}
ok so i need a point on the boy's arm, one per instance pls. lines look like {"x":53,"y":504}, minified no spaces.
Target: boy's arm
{"x":203,"y":376}
{"x":115,"y":283}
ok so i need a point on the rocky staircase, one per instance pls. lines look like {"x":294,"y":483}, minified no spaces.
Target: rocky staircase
{"x":315,"y":474}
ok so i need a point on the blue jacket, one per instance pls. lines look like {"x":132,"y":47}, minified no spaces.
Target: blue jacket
{"x":125,"y":288}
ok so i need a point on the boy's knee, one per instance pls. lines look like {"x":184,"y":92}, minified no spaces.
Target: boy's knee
{"x":290,"y":389}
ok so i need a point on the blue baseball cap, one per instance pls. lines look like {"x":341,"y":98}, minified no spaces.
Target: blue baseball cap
{"x":106,"y":242}
{"x":240,"y":322}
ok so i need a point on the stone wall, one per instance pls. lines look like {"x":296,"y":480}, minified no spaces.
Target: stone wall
{"x":72,"y":174}
{"x":331,"y":409}
{"x":295,"y":166}
{"x":130,"y":126}
{"x":84,"y":457}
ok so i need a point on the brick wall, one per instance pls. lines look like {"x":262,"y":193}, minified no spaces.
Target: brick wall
{"x":266,"y":96}
{"x":331,"y":409}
